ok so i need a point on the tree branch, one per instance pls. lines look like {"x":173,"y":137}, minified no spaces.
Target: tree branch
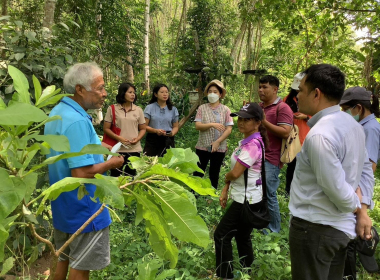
{"x":57,"y":253}
{"x":47,"y":242}
{"x":357,"y":10}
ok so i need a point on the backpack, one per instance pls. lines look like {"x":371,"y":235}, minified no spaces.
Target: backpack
{"x":290,"y":146}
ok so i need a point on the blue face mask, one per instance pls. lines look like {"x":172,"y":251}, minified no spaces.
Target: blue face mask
{"x":348,"y":111}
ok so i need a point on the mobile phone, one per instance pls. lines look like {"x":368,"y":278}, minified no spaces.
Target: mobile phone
{"x":168,"y":132}
{"x":209,"y":148}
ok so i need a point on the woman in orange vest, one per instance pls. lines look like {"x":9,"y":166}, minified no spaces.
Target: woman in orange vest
{"x":300,"y":120}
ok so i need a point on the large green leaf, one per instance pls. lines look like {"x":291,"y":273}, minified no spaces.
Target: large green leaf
{"x":2,"y":104}
{"x":47,"y":93}
{"x":106,"y":189}
{"x":186,"y":225}
{"x":20,"y":83}
{"x":3,"y":239}
{"x":157,"y":227}
{"x":12,"y":192}
{"x":30,"y":183}
{"x":201,"y":186}
{"x":184,"y":159}
{"x":148,"y":269}
{"x":37,"y":88}
{"x":21,"y":114}
{"x":58,"y":143}
{"x":52,"y":100}
{"x":94,"y":149}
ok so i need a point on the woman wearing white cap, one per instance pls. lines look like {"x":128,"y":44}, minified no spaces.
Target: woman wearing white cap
{"x":356,"y":101}
{"x":214,"y":123}
{"x":300,"y":120}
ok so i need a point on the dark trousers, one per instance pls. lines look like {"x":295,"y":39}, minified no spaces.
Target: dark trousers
{"x":156,"y":145}
{"x":232,"y":225}
{"x":317,"y":252}
{"x":125,"y":170}
{"x":216,"y":161}
{"x":289,"y":174}
{"x":350,"y":263}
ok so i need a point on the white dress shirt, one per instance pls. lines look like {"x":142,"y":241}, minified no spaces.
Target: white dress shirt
{"x":330,"y":167}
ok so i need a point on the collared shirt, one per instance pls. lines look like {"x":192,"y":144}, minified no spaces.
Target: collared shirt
{"x":249,"y":154}
{"x":128,"y":122}
{"x":161,"y":118}
{"x":278,"y":113}
{"x":372,"y":137}
{"x":329,"y":168}
{"x":207,"y":114}
{"x":69,"y":213}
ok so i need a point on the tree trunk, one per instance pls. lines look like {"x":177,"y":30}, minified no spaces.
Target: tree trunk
{"x":128,"y":66}
{"x":237,"y":42}
{"x":4,"y":7}
{"x":146,"y":45}
{"x":179,"y":30}
{"x":49,"y":13}
{"x":99,"y":31}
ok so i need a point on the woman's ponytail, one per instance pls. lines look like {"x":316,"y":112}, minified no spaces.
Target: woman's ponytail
{"x":375,"y":106}
{"x":264,"y":135}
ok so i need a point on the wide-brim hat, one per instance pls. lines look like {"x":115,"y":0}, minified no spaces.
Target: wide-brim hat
{"x":355,"y":93}
{"x":249,"y":111}
{"x":297,"y":80}
{"x":219,"y":84}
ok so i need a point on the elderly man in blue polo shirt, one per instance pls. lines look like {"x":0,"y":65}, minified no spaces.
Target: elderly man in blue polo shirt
{"x":333,"y":180}
{"x":89,"y":250}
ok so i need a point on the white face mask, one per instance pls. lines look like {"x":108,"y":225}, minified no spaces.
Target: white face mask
{"x":213,"y":97}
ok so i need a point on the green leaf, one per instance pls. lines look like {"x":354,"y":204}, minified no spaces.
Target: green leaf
{"x":201,"y":186}
{"x":5,"y":17}
{"x":20,"y":84}
{"x":37,"y":88}
{"x":186,"y":225}
{"x":47,"y":93}
{"x":19,"y":56}
{"x":33,"y":256}
{"x":184,"y":159}
{"x":30,"y":183}
{"x":82,"y":191}
{"x":65,"y":26}
{"x":28,"y":215}
{"x":21,"y":114}
{"x":166,"y":273}
{"x":69,"y":58}
{"x":7,"y":265}
{"x":148,"y":269}
{"x":158,"y":230}
{"x":94,"y":149}
{"x":58,"y":143}
{"x":3,"y":239}
{"x":2,"y":104}
{"x":12,"y":192}
{"x":31,"y":35}
{"x":18,"y":23}
{"x":53,"y":100}
{"x":106,"y":190}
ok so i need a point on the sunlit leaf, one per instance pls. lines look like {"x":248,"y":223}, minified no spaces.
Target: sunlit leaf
{"x":20,"y":84}
{"x":21,"y":114}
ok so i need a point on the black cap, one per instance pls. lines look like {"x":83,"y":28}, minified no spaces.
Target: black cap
{"x":249,"y":111}
{"x":355,"y":93}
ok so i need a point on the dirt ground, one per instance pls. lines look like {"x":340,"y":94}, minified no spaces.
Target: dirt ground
{"x":39,"y":270}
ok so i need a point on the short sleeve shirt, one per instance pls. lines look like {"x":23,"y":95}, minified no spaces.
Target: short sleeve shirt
{"x":128,"y":122}
{"x":249,"y":154}
{"x":69,"y":213}
{"x":161,"y":118}
{"x":372,"y":137}
{"x":278,"y":113}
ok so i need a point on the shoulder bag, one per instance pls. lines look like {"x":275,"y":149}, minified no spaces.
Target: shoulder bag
{"x":261,"y":218}
{"x":290,"y":146}
{"x":108,"y":140}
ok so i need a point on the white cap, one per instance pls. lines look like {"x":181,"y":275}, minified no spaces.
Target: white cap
{"x":297,"y":80}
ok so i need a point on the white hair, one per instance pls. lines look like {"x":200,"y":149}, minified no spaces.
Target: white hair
{"x":81,"y":74}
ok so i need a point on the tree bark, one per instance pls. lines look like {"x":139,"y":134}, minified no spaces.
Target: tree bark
{"x":4,"y":7}
{"x":237,"y":42}
{"x":49,"y":14}
{"x":128,"y":66}
{"x":146,"y":45}
{"x":179,"y":30}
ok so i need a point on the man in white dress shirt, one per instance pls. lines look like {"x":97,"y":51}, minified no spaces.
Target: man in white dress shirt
{"x":333,"y":180}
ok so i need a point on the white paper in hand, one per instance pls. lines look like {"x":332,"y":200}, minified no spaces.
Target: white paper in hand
{"x":115,"y":149}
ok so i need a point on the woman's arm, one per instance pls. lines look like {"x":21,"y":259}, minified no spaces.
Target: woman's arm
{"x":236,"y":172}
{"x":224,"y":195}
{"x":153,"y":130}
{"x":216,"y":144}
{"x":175,"y":129}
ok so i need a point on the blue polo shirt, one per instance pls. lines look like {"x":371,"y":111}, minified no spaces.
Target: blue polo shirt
{"x":372,"y":137}
{"x":69,"y":213}
{"x":161,"y":118}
